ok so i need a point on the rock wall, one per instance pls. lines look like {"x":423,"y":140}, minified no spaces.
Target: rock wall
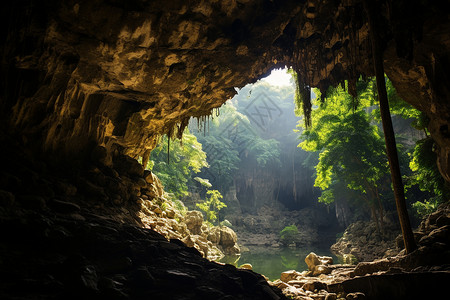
{"x":84,"y":73}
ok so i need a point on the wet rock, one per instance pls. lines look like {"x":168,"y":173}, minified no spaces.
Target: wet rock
{"x":246,"y":266}
{"x":64,"y":206}
{"x":180,"y":277}
{"x":170,"y":213}
{"x":214,"y":235}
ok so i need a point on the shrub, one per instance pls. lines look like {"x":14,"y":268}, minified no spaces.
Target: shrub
{"x":289,"y":234}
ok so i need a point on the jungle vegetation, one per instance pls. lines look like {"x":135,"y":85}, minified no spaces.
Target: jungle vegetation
{"x":342,"y":149}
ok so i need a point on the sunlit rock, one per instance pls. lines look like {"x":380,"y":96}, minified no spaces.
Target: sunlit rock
{"x":194,"y":221}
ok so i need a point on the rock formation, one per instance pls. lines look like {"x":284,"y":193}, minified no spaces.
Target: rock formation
{"x":86,"y":86}
{"x":85,"y":73}
{"x":422,"y":274}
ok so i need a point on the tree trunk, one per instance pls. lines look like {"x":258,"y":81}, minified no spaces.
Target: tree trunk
{"x":391,"y":149}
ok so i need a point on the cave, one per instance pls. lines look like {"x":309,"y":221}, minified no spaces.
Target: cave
{"x":88,"y":87}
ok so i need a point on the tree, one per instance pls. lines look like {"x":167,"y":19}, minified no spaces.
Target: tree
{"x":391,"y":150}
{"x":351,"y":149}
{"x":175,"y":166}
{"x":232,"y":141}
{"x":212,"y":205}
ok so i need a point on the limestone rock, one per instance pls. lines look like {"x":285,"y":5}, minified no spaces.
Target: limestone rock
{"x":194,"y":221}
{"x":321,"y":269}
{"x":289,"y":275}
{"x":317,"y":264}
{"x":246,"y":266}
{"x":214,"y":235}
{"x":128,"y":166}
{"x":95,"y":80}
{"x":228,"y":237}
{"x":312,"y":260}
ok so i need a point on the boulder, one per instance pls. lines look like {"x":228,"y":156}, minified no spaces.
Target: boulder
{"x":246,"y":266}
{"x":149,"y":177}
{"x":321,"y":269}
{"x":228,"y":237}
{"x":194,"y":221}
{"x":214,"y":235}
{"x":312,"y":260}
{"x":289,"y":275}
{"x":126,"y":165}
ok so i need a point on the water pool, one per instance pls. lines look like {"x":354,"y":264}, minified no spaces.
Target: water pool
{"x":273,"y":261}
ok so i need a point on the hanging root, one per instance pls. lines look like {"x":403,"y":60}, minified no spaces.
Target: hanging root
{"x":303,"y":98}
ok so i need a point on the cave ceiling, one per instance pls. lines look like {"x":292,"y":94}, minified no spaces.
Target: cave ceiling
{"x":119,"y":74}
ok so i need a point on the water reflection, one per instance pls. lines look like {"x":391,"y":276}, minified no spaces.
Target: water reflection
{"x":273,"y":261}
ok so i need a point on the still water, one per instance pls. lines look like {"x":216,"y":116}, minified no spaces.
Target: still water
{"x":273,"y":261}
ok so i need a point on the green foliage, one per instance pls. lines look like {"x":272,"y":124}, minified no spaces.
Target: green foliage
{"x":266,"y":152}
{"x":185,"y":159}
{"x":212,"y":205}
{"x":203,"y":182}
{"x":426,"y":207}
{"x":232,"y":140}
{"x":351,"y":149}
{"x":427,"y":176}
{"x":302,"y":98}
{"x":289,"y":234}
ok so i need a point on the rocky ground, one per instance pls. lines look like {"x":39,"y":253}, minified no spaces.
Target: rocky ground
{"x":88,"y":256}
{"x":362,"y":241}
{"x":423,"y":274}
{"x":91,"y":231}
{"x":94,"y":231}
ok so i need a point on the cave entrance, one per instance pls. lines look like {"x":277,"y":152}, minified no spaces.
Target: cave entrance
{"x":266,"y":180}
{"x":253,"y":161}
{"x":252,"y":148}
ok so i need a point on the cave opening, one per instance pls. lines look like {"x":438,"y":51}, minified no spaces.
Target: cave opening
{"x":254,"y":161}
{"x":90,"y":90}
